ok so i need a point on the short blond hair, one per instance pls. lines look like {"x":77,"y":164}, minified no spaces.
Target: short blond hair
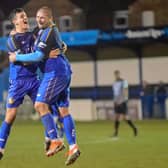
{"x":47,"y":10}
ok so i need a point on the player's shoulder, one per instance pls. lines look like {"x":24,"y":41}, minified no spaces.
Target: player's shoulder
{"x":120,"y":80}
{"x":10,"y":37}
{"x":125,"y":81}
{"x":47,"y":33}
{"x":11,"y":42}
{"x":48,"y":29}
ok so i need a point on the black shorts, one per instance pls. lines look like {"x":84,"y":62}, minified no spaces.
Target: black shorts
{"x":121,"y":108}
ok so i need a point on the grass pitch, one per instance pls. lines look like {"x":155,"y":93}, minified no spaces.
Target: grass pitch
{"x":149,"y":150}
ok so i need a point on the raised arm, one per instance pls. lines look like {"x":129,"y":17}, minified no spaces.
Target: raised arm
{"x":31,"y":57}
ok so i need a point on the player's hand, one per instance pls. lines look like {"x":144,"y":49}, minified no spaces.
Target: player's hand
{"x":54,"y":53}
{"x":12,"y":32}
{"x":64,"y":48}
{"x":12,"y":57}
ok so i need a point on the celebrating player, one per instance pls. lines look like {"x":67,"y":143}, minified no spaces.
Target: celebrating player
{"x":23,"y":77}
{"x":56,"y":81}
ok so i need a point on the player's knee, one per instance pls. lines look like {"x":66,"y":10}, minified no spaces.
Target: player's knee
{"x":10,"y":115}
{"x":41,"y":108}
{"x":37,"y":106}
{"x":64,"y":111}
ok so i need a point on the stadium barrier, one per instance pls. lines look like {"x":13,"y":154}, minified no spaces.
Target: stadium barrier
{"x":83,"y":109}
{"x":105,"y":109}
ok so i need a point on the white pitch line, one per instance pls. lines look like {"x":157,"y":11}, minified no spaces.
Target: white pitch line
{"x":99,"y":141}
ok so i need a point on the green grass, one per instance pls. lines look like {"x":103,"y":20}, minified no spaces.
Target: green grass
{"x":98,"y":150}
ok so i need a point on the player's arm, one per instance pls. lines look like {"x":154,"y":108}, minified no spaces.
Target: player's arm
{"x":36,"y":56}
{"x":30,"y":57}
{"x":64,"y":47}
{"x":52,"y":36}
{"x":40,"y":50}
{"x":125,"y":90}
{"x":56,"y":52}
{"x":11,"y":45}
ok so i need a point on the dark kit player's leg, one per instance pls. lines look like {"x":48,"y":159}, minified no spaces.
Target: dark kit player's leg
{"x":117,"y":110}
{"x":128,"y":120}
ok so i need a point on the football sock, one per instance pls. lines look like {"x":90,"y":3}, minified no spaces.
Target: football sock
{"x":130,"y":123}
{"x":69,"y":129}
{"x":58,"y":120}
{"x":116,"y":127}
{"x":49,"y":125}
{"x":4,"y":133}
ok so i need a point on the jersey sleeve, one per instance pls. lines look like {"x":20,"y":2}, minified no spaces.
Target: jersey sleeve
{"x":58,"y":38}
{"x":44,"y":43}
{"x":11,"y":45}
{"x":125,"y":84}
{"x":30,"y":57}
{"x":49,"y":40}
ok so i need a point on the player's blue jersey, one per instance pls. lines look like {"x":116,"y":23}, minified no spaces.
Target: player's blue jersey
{"x":21,"y":43}
{"x":47,"y":40}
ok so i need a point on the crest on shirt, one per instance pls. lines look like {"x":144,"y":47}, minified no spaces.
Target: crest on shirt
{"x":11,"y":100}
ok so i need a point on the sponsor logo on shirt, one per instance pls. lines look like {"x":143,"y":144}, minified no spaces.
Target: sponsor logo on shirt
{"x":42,"y":45}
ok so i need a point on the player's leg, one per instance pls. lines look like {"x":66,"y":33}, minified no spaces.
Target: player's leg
{"x":35,"y":84}
{"x":58,"y":91}
{"x":6,"y":127}
{"x":49,"y":125}
{"x":69,"y":125}
{"x":116,"y":125}
{"x":59,"y":126}
{"x":58,"y":120}
{"x":70,"y":132}
{"x":33,"y":93}
{"x":131,"y":124}
{"x":116,"y":120}
{"x":127,"y":119}
{"x":43,"y":100}
{"x":16,"y":94}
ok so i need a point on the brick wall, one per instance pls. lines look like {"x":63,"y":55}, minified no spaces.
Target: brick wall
{"x":159,"y":7}
{"x":59,"y":8}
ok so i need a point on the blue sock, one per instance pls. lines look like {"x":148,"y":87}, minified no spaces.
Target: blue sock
{"x":58,"y":120}
{"x":49,"y":125}
{"x":69,"y":129}
{"x":4,"y":133}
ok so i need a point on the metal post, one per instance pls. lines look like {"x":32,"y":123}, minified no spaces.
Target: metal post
{"x":93,"y":54}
